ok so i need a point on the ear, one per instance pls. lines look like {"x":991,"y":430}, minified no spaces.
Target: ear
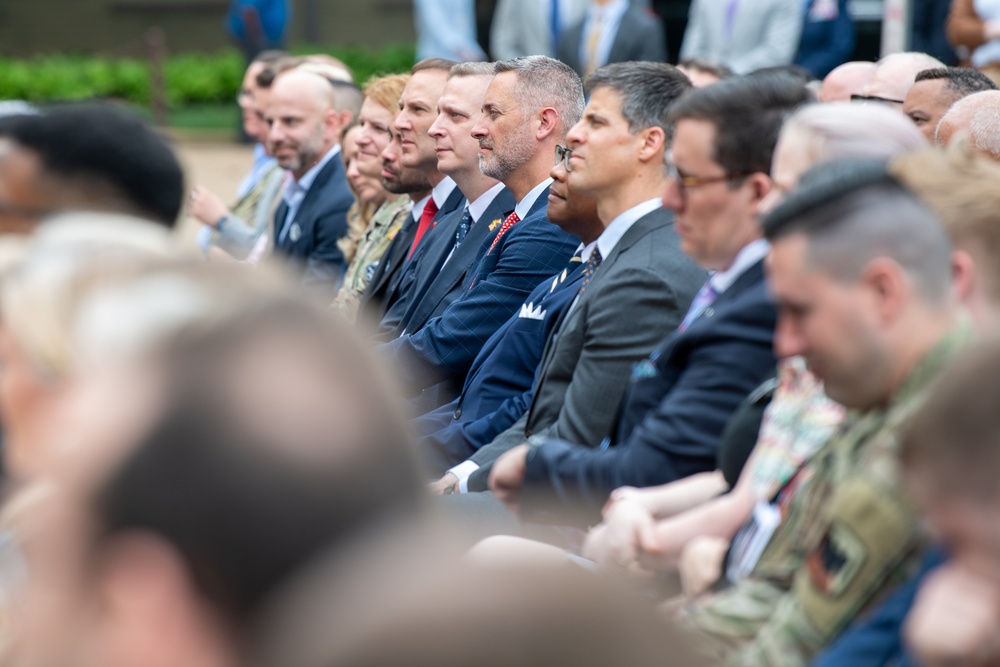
{"x":963,"y":275}
{"x":887,"y":286}
{"x":548,"y":121}
{"x":653,"y":144}
{"x":760,"y":187}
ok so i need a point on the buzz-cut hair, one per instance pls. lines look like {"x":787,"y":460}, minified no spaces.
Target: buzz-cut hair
{"x":430,"y":64}
{"x":960,"y":81}
{"x":852,"y":211}
{"x":471,"y":69}
{"x":648,"y":91}
{"x":546,"y":82}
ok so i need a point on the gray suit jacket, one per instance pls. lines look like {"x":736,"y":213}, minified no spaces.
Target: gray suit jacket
{"x":765,"y":33}
{"x":522,"y":27}
{"x":638,"y":296}
{"x":639,"y":37}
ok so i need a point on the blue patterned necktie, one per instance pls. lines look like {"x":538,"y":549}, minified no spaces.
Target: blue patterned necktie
{"x":590,"y":268}
{"x":463,"y":227}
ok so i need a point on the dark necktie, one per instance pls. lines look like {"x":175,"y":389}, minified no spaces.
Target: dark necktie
{"x":426,"y":223}
{"x":463,"y":227}
{"x":590,"y":268}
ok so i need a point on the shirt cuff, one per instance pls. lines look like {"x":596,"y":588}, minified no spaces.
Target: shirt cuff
{"x":463,"y":471}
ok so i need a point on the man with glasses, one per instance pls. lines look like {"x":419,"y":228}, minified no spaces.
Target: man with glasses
{"x":637,"y":284}
{"x":892,"y":78}
{"x":681,"y":396}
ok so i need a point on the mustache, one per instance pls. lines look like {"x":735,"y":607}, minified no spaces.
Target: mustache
{"x":486,"y":142}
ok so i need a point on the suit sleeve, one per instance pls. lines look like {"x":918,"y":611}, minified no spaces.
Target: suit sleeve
{"x":504,"y":44}
{"x":325,"y":266}
{"x":445,"y":348}
{"x":676,"y":439}
{"x":871,"y":534}
{"x":780,"y":41}
{"x":236,"y":237}
{"x":650,"y":40}
{"x":826,"y":44}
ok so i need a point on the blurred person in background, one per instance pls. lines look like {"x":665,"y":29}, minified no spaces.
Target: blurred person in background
{"x":934,"y":91}
{"x":827,"y":36}
{"x":974,"y":30}
{"x":378,"y":111}
{"x":532,"y":27}
{"x":974,"y":119}
{"x":235,"y":232}
{"x":85,"y":157}
{"x":447,"y":29}
{"x":611,"y":31}
{"x":258,"y":25}
{"x":893,"y":76}
{"x":702,"y":72}
{"x":368,"y":192}
{"x":928,"y":29}
{"x":744,"y":35}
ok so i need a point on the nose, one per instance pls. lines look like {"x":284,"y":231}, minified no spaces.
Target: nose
{"x":363,"y":137}
{"x":558,"y":172}
{"x":389,"y":153}
{"x":276,"y":133}
{"x":575,"y":136}
{"x":673,"y":198}
{"x":435,"y":129}
{"x":479,"y":130}
{"x":788,"y":338}
{"x":402,"y":121}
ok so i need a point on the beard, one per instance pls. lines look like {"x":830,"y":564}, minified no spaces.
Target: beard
{"x":513,"y":153}
{"x":405,"y":180}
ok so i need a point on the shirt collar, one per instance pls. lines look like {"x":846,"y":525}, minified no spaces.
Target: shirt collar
{"x":750,"y":254}
{"x":418,"y":208}
{"x":442,"y":191}
{"x":478,"y":207}
{"x":307,"y":179}
{"x":613,"y":233}
{"x":525,"y":204}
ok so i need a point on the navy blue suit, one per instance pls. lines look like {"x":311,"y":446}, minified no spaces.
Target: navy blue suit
{"x":444,"y":349}
{"x":438,"y":279}
{"x":498,"y":389}
{"x":675,"y":407}
{"x":321,"y":220}
{"x":827,"y":37}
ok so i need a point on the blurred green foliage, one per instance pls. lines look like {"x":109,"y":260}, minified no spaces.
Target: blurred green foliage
{"x":192,"y":79}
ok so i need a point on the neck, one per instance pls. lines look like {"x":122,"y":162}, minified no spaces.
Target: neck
{"x":524,"y":179}
{"x":306,"y":167}
{"x":434,"y":178}
{"x":417,"y":196}
{"x":473,"y":184}
{"x":919,"y":331}
{"x":634,"y":190}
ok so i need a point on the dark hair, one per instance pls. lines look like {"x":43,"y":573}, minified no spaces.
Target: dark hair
{"x":270,"y":56}
{"x":648,"y":91}
{"x":248,"y":486}
{"x":103,"y":149}
{"x":269,"y":59}
{"x":747,"y":112}
{"x":961,"y":81}
{"x":707,"y":66}
{"x":851,"y":211}
{"x":798,"y":72}
{"x":433,"y":63}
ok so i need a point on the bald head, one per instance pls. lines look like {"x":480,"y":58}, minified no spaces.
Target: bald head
{"x":895,"y":73}
{"x":846,"y":80}
{"x":304,"y":120}
{"x":976,"y":118}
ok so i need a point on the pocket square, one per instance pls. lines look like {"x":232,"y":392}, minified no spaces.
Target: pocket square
{"x":530,"y":311}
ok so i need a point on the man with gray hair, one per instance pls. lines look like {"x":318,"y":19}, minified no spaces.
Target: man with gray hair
{"x":528,"y":107}
{"x":975,"y":118}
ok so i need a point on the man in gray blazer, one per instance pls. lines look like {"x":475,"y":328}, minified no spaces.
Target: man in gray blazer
{"x":637,"y":284}
{"x":530,"y":28}
{"x":613,"y":31}
{"x":744,"y":35}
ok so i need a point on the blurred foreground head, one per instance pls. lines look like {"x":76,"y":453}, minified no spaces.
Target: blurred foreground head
{"x":241,"y":449}
{"x":85,"y":157}
{"x":530,"y":616}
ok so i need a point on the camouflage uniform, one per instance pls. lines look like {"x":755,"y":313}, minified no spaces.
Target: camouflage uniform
{"x":384,"y":226}
{"x":847,"y":535}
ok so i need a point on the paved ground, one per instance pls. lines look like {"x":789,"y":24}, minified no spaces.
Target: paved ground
{"x":216,"y":165}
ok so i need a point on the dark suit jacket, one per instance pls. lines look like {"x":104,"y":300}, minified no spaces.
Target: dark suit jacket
{"x":319,"y":223}
{"x":383,"y":289}
{"x":497,"y":390}
{"x":639,"y":295}
{"x":444,"y":279}
{"x":827,"y":37}
{"x":443,"y":350}
{"x":639,"y":37}
{"x":677,"y":404}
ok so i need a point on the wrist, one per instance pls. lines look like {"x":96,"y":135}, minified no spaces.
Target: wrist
{"x":220,"y":222}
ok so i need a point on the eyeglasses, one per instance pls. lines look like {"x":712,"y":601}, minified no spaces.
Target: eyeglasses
{"x":245,"y":96}
{"x":685,"y":183}
{"x":562,"y":155}
{"x":874,"y":98}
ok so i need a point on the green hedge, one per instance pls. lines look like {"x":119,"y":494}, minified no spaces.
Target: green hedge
{"x":191,"y":79}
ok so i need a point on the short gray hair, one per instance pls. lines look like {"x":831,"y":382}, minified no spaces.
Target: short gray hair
{"x":546,"y":82}
{"x":842,"y":129}
{"x":471,"y":69}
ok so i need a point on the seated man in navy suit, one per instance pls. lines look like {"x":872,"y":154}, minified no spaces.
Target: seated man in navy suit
{"x":306,"y":115}
{"x":681,"y":397}
{"x":529,"y":105}
{"x":497,"y":390}
{"x":461,"y":238}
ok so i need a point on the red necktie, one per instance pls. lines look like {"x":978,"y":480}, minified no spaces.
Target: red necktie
{"x":426,"y":223}
{"x":511,"y":220}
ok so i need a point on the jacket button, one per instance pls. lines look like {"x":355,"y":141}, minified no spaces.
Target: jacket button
{"x":458,"y":412}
